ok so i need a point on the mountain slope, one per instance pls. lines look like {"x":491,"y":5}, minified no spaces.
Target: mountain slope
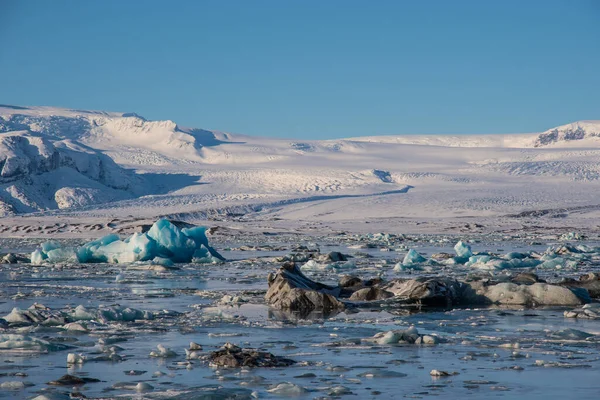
{"x":120,"y":163}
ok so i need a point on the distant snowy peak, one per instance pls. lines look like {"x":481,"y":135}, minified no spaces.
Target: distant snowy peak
{"x":568,"y":133}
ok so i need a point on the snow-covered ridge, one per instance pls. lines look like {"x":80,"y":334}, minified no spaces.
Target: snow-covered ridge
{"x":54,"y":158}
{"x":37,"y":173}
{"x":576,"y":131}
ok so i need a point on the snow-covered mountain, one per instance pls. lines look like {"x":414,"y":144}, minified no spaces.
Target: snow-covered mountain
{"x":91,"y":161}
{"x":576,"y":132}
{"x":38,"y":173}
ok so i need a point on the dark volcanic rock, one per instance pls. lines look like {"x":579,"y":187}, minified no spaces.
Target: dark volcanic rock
{"x":289,"y":289}
{"x":72,"y":380}
{"x":232,"y":356}
{"x":335,"y":256}
{"x":439,"y":292}
{"x":526,"y":278}
{"x":370,"y":294}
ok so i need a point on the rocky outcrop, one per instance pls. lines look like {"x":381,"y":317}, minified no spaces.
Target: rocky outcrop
{"x":291,"y":290}
{"x":232,"y":356}
{"x":537,"y":294}
{"x":439,"y":292}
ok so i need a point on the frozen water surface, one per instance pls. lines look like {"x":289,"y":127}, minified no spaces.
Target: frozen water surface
{"x":486,"y":352}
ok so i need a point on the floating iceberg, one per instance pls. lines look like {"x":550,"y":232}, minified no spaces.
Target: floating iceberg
{"x":463,"y":250}
{"x":163,"y":244}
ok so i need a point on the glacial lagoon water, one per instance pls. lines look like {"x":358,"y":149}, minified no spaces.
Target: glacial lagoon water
{"x":490,"y":352}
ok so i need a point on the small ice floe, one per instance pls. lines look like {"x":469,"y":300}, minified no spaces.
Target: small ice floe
{"x":570,"y":334}
{"x":381,"y":373}
{"x":463,"y":250}
{"x":313,"y":266}
{"x":408,"y":336}
{"x":339,"y":390}
{"x":436,"y":373}
{"x":194,"y":352}
{"x":163,"y":352}
{"x":75,"y":327}
{"x":53,"y":396}
{"x":140,"y":387}
{"x":571,"y":236}
{"x":590,"y":311}
{"x":73,"y":358}
{"x":27,"y":344}
{"x":232,"y":300}
{"x":15,"y":385}
{"x":287,"y":389}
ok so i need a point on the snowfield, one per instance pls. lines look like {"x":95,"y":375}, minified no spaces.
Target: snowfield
{"x":103,"y":165}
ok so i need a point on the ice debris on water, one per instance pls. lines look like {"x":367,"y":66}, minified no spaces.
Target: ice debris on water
{"x":571,"y":236}
{"x":163,"y":352}
{"x":590,"y":311}
{"x":23,"y":343}
{"x":287,"y":389}
{"x":164,"y":244}
{"x":408,"y":336}
{"x":70,"y":318}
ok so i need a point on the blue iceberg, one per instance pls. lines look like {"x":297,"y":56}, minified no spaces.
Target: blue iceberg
{"x":163,"y":244}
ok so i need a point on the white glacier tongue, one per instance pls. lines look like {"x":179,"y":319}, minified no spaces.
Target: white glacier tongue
{"x":163,"y":243}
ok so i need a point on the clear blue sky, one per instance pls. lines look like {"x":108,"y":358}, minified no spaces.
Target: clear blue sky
{"x":310,"y":69}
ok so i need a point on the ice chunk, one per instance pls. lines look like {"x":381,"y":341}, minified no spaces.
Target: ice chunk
{"x":48,"y":246}
{"x":89,"y":252}
{"x":164,"y":242}
{"x":203,"y":255}
{"x":52,"y":252}
{"x":14,"y":385}
{"x":143,"y":246}
{"x":118,"y":313}
{"x":38,"y":257}
{"x":22,"y":343}
{"x":412,"y":257}
{"x":571,"y":236}
{"x":172,"y":243}
{"x":198,"y":235}
{"x":287,"y":389}
{"x":163,"y":352}
{"x":463,"y":250}
{"x":165,"y":262}
{"x":73,"y":358}
{"x":61,"y":255}
{"x":82,"y":314}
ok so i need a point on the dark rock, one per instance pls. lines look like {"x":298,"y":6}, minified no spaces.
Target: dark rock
{"x":335,"y":256}
{"x":71,"y":380}
{"x":525,"y":278}
{"x":289,"y":289}
{"x":439,"y":292}
{"x":232,"y":356}
{"x":347,"y":281}
{"x":370,"y":294}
